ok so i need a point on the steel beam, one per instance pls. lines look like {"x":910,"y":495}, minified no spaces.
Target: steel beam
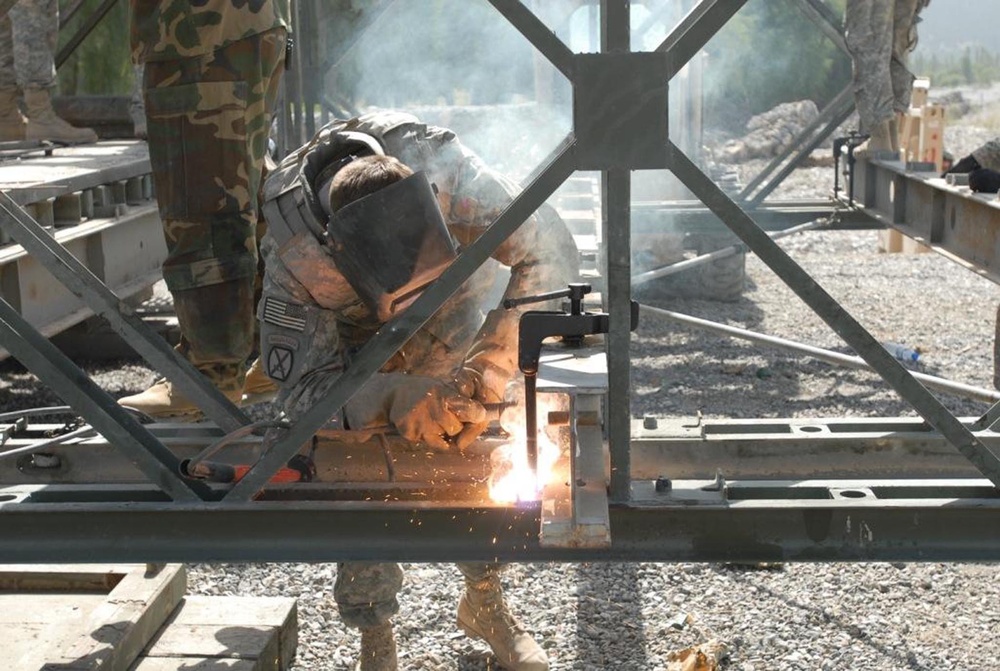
{"x":696,"y":29}
{"x":952,"y":220}
{"x":801,"y":447}
{"x":538,"y":34}
{"x":738,"y":521}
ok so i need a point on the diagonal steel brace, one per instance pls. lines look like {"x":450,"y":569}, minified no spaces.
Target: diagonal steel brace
{"x":855,"y":335}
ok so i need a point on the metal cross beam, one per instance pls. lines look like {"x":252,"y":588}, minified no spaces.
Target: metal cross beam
{"x":870,"y":520}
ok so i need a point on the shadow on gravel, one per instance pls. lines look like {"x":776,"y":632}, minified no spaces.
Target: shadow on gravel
{"x":609,"y":624}
{"x":22,"y":390}
{"x":476,"y":661}
{"x":897,"y":659}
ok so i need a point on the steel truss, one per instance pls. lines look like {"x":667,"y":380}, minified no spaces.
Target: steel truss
{"x":619,"y":125}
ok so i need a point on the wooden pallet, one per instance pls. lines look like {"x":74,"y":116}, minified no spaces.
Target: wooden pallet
{"x":94,"y":617}
{"x":232,"y":633}
{"x":136,"y":618}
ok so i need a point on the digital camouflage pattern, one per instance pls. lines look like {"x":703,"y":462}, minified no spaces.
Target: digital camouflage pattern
{"x":173,"y":29}
{"x":541,"y":256}
{"x":880,"y":35}
{"x":28,"y":36}
{"x":365,"y":592}
{"x":208,"y":119}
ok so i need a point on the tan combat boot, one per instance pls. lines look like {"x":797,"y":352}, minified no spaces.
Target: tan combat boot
{"x":163,"y":401}
{"x":43,"y":124}
{"x":483,"y":614}
{"x":378,"y":649}
{"x":258,"y":387}
{"x":13,"y":125}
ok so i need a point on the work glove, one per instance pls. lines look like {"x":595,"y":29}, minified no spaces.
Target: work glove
{"x":482,"y":381}
{"x":422,"y":409}
{"x":984,"y":180}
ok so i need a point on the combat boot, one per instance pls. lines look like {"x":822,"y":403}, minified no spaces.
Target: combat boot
{"x":258,"y":387}
{"x":44,"y":124}
{"x":13,"y":125}
{"x":378,"y":649}
{"x":483,"y":614}
{"x":164,"y":401}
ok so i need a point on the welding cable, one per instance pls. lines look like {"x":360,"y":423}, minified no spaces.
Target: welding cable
{"x":32,"y":412}
{"x":85,"y":431}
{"x":708,"y":257}
{"x":234,"y":436}
{"x":829,"y":356}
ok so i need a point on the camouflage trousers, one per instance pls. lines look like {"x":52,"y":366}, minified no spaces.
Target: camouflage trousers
{"x":988,"y":155}
{"x":208,"y":123}
{"x":365,"y":592}
{"x":28,"y":37}
{"x":880,"y":35}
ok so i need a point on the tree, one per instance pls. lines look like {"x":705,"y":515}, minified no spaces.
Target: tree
{"x":768,"y":54}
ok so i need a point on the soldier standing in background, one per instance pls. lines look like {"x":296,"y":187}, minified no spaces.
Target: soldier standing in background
{"x":880,"y":35}
{"x":28,"y":37}
{"x":211,"y":78}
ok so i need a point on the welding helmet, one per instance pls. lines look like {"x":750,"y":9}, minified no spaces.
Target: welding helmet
{"x":291,"y":192}
{"x":391,"y":244}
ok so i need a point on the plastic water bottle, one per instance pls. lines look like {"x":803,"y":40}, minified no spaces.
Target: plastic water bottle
{"x":907,"y":355}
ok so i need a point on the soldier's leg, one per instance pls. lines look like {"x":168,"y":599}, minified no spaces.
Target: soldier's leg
{"x":868,"y":33}
{"x":35,"y":30}
{"x":996,"y":353}
{"x":12,"y":122}
{"x":904,"y":39}
{"x":207,"y":123}
{"x":365,"y":593}
{"x":483,"y":613}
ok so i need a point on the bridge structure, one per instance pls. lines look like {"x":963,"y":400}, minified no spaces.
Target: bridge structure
{"x":633,"y":488}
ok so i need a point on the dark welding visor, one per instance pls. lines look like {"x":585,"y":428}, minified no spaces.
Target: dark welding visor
{"x":391,"y":244}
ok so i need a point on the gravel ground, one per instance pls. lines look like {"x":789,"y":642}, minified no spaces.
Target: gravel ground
{"x":863,"y":617}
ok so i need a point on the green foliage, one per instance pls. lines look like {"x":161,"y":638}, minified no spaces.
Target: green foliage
{"x":961,"y":66}
{"x":101,"y":64}
{"x":770,"y":53}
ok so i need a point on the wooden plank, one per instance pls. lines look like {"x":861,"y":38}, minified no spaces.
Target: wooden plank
{"x":115,"y":632}
{"x":259,"y":643}
{"x":932,"y":136}
{"x":890,"y":241}
{"x":43,"y":608}
{"x":63,"y":577}
{"x":194,"y":664}
{"x":264,"y":628}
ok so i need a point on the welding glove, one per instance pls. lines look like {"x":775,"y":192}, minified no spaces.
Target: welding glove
{"x":483,"y":381}
{"x":422,"y":409}
{"x":984,"y":180}
{"x":967,"y":164}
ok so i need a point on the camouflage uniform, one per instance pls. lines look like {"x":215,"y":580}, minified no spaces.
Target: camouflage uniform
{"x":211,"y":81}
{"x":541,"y":255}
{"x":880,"y":34}
{"x":28,"y":36}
